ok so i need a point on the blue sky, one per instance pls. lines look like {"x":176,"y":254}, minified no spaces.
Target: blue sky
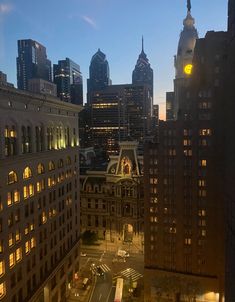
{"x":77,"y":28}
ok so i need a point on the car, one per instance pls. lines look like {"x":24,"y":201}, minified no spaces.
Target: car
{"x":83,"y":254}
{"x":99,"y":271}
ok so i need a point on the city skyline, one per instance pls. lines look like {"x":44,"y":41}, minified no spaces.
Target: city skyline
{"x":77,"y":31}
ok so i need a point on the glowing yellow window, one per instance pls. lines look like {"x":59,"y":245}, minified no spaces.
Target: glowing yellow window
{"x":2,"y":289}
{"x":44,"y":217}
{"x":9,"y":198}
{"x":26,"y":192}
{"x":27,"y":247}
{"x":17,"y":235}
{"x":26,"y":230}
{"x":11,"y":259}
{"x":1,"y":246}
{"x":41,"y":169}
{"x":18,"y":254}
{"x":16,"y":196}
{"x":51,"y":166}
{"x":12,"y":177}
{"x":31,"y":227}
{"x":27,"y":173}
{"x":2,"y":268}
{"x":33,"y":242}
{"x":11,"y":239}
{"x":39,"y":186}
{"x":31,"y":190}
{"x":49,"y":182}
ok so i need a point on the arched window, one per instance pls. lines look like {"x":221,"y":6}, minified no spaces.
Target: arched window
{"x":39,"y":139}
{"x":27,"y":173}
{"x":60,"y":163}
{"x":68,"y":160}
{"x":50,"y":138}
{"x":26,"y":139}
{"x":51,"y":166}
{"x":41,"y":169}
{"x":10,"y":136}
{"x":12,"y":177}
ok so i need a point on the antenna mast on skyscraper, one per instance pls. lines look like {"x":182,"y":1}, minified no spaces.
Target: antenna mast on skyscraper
{"x":189,"y":5}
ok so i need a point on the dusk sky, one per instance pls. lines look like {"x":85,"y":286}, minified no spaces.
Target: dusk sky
{"x":77,"y":28}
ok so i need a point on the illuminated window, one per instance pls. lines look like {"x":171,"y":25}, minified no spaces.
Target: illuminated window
{"x":9,"y":198}
{"x":202,"y":162}
{"x":32,"y":226}
{"x":12,"y":178}
{"x":187,"y":241}
{"x":26,"y":192}
{"x":202,"y":213}
{"x":205,"y":132}
{"x":2,"y":289}
{"x":31,"y":190}
{"x":201,"y":183}
{"x":11,"y":259}
{"x":203,"y":233}
{"x":18,"y":254}
{"x":1,"y":246}
{"x":27,"y":173}
{"x":27,"y":247}
{"x":10,"y":136}
{"x":51,"y":166}
{"x":202,"y":193}
{"x":33,"y":242}
{"x":17,"y":236}
{"x":60,"y":163}
{"x":2,"y":268}
{"x":16,"y":196}
{"x":44,"y":217}
{"x":11,"y":239}
{"x":40,"y":169}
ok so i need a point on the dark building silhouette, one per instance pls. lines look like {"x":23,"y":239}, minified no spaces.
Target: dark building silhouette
{"x":143,"y":73}
{"x":98,"y":74}
{"x":32,"y":62}
{"x":190,"y":184}
{"x":68,"y":78}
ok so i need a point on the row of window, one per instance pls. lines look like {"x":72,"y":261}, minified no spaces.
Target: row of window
{"x":56,"y":137}
{"x":27,"y":173}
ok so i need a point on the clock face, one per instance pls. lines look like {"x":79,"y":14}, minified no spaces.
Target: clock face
{"x":188,"y":69}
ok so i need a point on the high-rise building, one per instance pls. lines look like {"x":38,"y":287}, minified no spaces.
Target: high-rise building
{"x":189,"y":183}
{"x":39,"y":197}
{"x":120,"y":112}
{"x":68,"y":78}
{"x":99,"y":77}
{"x":183,"y":62}
{"x":143,"y":73}
{"x":32,"y":62}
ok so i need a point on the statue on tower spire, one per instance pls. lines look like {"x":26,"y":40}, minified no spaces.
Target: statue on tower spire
{"x":189,"y":5}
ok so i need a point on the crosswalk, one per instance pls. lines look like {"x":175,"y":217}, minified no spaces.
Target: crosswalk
{"x":130,"y":273}
{"x":104,"y":268}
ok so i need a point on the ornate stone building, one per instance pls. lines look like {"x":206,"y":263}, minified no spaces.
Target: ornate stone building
{"x":39,"y":194}
{"x":112,"y":198}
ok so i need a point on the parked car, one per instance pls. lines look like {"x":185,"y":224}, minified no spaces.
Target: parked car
{"x":99,"y":271}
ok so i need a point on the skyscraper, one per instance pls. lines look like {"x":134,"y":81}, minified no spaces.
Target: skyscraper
{"x":143,"y":73}
{"x":98,"y":74}
{"x":32,"y":62}
{"x":68,"y":78}
{"x":183,"y":62}
{"x":189,"y":186}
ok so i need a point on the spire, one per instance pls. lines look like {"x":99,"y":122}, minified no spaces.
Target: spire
{"x":142,"y":43}
{"x":189,"y":5}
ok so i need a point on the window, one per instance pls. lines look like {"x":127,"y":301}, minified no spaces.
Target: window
{"x":39,"y":139}
{"x":27,"y":173}
{"x":2,"y":289}
{"x":205,"y":132}
{"x":187,"y":241}
{"x":25,"y":139}
{"x":60,"y":163}
{"x":11,"y":239}
{"x":11,"y":260}
{"x":202,"y":162}
{"x":10,"y":140}
{"x":2,"y":268}
{"x":68,"y":160}
{"x":51,"y":166}
{"x":18,"y":254}
{"x":40,"y":169}
{"x":27,"y":247}
{"x":12,"y":178}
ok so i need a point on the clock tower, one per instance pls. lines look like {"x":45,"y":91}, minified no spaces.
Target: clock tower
{"x":183,"y":60}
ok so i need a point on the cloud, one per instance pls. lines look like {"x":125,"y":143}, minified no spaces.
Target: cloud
{"x":5,"y":8}
{"x":90,"y":21}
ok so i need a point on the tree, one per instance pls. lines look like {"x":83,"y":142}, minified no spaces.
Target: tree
{"x":89,"y":237}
